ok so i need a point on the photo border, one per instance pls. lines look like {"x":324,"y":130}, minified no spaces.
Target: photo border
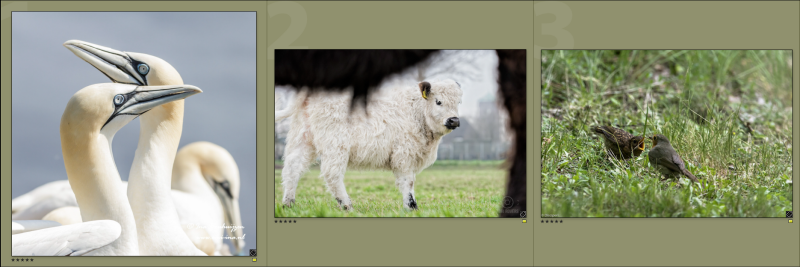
{"x":657,"y":25}
{"x":401,"y":25}
{"x":139,"y":6}
{"x":355,"y":169}
{"x":541,"y":95}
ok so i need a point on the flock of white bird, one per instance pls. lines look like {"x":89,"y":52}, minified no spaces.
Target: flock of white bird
{"x":174,"y":203}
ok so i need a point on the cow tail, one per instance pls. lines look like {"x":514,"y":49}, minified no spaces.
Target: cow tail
{"x":290,"y":108}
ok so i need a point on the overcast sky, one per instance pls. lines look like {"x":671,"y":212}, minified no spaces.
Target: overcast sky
{"x":215,"y":51}
{"x":475,"y":70}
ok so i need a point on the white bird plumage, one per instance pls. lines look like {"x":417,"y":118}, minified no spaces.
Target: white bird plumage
{"x":159,"y":136}
{"x":90,"y":120}
{"x":73,"y":240}
{"x":157,"y":223}
{"x":158,"y":143}
{"x":197,"y":198}
{"x":65,"y":215}
{"x":22,"y":226}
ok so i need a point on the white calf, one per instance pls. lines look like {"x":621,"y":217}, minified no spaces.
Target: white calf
{"x":400,"y":131}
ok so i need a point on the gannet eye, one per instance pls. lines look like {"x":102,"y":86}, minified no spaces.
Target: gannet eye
{"x":143,"y":69}
{"x":118,"y":99}
{"x":227,"y":187}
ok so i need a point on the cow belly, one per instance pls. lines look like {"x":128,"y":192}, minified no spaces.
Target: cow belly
{"x":370,"y":153}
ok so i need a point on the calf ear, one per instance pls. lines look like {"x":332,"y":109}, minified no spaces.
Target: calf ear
{"x":425,"y":89}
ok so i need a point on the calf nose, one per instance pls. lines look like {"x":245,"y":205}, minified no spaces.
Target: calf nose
{"x":452,"y":122}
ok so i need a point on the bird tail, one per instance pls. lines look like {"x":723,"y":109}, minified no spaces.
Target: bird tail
{"x":602,"y":131}
{"x":690,"y":175}
{"x":290,"y":108}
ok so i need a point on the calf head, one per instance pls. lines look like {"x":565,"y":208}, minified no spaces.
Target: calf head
{"x":441,"y":105}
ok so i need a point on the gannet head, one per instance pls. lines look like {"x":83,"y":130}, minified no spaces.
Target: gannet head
{"x":126,"y":67}
{"x":138,"y":69}
{"x":106,"y":107}
{"x":221,"y":173}
{"x":216,"y":164}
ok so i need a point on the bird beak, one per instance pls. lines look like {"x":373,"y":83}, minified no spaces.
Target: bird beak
{"x":232,"y":216}
{"x":145,"y":98}
{"x":116,"y":65}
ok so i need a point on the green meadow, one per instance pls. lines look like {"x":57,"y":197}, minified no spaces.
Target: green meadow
{"x":728,"y":113}
{"x":446,"y":189}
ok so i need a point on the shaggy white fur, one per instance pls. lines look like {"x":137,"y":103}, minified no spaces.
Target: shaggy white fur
{"x":400,"y":132}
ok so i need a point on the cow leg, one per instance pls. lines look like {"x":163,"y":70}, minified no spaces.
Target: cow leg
{"x":298,"y":157}
{"x":405,"y":183}
{"x":333,"y":168}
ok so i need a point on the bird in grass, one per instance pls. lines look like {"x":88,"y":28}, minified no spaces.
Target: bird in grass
{"x":620,"y":143}
{"x":666,"y":160}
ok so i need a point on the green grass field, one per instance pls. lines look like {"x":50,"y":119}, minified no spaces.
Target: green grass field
{"x":446,"y":189}
{"x":727,"y":113}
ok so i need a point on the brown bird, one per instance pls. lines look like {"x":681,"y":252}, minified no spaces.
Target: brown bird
{"x":620,"y":143}
{"x":666,"y":160}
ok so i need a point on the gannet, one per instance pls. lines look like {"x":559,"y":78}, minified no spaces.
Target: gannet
{"x":136,"y":68}
{"x":91,"y":118}
{"x":158,"y":142}
{"x":208,"y":162}
{"x":197,"y":166}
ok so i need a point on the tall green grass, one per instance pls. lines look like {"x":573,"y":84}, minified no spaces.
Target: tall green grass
{"x":727,"y":113}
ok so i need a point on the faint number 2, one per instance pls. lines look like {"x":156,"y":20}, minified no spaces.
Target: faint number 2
{"x":299,"y":19}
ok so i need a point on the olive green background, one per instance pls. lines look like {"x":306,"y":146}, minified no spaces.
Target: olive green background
{"x":5,"y":128}
{"x":664,"y":241}
{"x":399,"y":241}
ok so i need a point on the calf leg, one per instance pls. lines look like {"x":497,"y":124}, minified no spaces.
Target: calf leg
{"x":333,"y":168}
{"x":405,"y":182}
{"x":298,"y":157}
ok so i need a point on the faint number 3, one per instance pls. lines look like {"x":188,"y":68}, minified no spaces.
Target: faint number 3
{"x":556,"y":29}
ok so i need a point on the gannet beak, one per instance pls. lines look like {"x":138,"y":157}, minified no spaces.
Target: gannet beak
{"x":116,"y":65}
{"x":145,"y":98}
{"x":232,"y":217}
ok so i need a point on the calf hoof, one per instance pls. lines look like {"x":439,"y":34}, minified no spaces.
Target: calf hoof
{"x":412,"y":204}
{"x":344,"y":207}
{"x":288,"y":203}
